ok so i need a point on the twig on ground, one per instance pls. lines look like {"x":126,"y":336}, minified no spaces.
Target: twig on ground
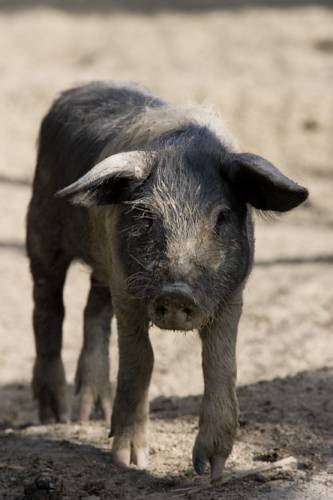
{"x":4,"y":465}
{"x":235,"y":476}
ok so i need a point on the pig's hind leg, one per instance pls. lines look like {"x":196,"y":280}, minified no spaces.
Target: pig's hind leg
{"x":92,"y":379}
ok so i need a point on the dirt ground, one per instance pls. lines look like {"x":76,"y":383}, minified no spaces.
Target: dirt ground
{"x":268,"y":68}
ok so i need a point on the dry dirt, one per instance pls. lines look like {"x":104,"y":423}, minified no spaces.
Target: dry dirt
{"x":268,"y":68}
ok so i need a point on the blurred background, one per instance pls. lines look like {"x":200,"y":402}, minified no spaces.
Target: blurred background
{"x":267,"y":67}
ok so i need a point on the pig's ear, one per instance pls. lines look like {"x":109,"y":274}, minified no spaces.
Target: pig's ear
{"x":113,"y":180}
{"x":261,"y":184}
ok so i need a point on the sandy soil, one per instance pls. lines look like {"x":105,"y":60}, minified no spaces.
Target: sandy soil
{"x":268,"y":68}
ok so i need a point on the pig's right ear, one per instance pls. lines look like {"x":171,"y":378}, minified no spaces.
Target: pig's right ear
{"x":113,"y":180}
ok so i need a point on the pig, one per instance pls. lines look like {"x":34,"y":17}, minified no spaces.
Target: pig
{"x":158,"y":201}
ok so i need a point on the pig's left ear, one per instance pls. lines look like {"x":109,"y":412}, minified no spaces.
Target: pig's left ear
{"x":113,"y":180}
{"x":261,"y":184}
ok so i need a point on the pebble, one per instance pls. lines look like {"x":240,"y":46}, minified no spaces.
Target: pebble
{"x":44,"y":487}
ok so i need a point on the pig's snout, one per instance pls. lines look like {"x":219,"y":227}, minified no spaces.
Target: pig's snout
{"x":174,"y":308}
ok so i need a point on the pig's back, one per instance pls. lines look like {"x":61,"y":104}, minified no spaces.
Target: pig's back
{"x":84,"y":120}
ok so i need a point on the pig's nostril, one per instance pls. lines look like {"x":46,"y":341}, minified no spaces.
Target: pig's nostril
{"x":161,"y":311}
{"x":188,"y":311}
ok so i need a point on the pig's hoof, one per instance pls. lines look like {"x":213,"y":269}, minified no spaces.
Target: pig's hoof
{"x":217,"y":463}
{"x":136,"y":456}
{"x":122,"y":456}
{"x":201,"y":457}
{"x":140,"y":457}
{"x":88,"y":399}
{"x":92,"y":385}
{"x":53,"y":407}
{"x":50,"y":389}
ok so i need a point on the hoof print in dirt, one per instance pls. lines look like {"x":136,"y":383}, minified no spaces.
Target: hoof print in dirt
{"x":44,"y":487}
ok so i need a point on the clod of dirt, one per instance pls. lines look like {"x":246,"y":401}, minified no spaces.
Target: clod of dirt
{"x":272,"y":456}
{"x":44,"y":487}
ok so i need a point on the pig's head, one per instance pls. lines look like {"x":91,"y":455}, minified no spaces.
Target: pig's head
{"x":184,"y":230}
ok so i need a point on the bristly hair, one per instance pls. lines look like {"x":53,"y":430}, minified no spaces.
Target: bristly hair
{"x":268,"y":215}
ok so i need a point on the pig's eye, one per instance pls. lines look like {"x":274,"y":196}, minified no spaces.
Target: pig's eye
{"x":221,"y":218}
{"x":147,"y":224}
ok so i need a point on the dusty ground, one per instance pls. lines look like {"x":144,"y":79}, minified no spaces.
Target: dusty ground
{"x":268,"y":67}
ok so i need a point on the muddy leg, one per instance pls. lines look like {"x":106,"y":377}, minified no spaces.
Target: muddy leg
{"x":93,"y":371}
{"x":130,"y":413}
{"x":219,"y":410}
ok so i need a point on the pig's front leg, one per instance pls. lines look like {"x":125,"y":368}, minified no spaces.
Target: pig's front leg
{"x":130,"y":412}
{"x":219,"y":409}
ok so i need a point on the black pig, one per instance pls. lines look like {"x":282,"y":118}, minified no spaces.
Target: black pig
{"x":162,"y":215}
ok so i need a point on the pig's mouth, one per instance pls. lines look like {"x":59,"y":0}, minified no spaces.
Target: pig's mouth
{"x":174,"y":324}
{"x":174,"y":308}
